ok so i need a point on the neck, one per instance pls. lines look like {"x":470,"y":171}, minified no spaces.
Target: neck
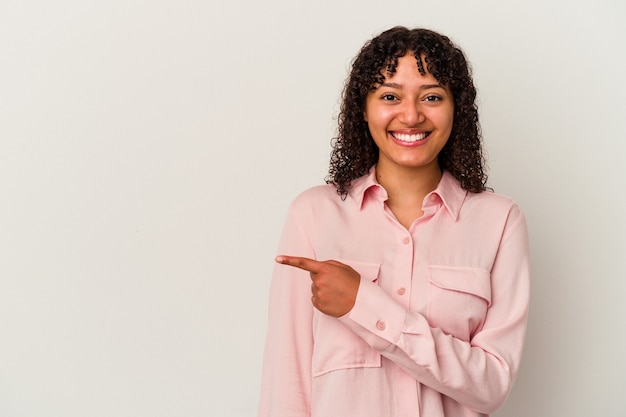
{"x":408,"y":184}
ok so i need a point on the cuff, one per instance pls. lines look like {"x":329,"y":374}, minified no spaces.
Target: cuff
{"x":375,"y":316}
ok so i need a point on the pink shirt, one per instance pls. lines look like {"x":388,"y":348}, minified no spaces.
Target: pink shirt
{"x":440,"y":316}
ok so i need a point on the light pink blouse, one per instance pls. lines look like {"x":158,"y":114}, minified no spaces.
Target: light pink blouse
{"x":440,"y":316}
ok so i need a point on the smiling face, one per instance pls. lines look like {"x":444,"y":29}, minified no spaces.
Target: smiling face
{"x":410,"y":118}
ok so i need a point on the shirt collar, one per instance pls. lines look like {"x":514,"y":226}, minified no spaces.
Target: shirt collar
{"x":449,"y":191}
{"x":364,"y":185}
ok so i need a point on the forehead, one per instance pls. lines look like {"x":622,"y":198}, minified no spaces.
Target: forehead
{"x":409,"y":59}
{"x":406,"y":66}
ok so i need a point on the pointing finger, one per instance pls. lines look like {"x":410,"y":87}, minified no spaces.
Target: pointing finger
{"x":307,"y":264}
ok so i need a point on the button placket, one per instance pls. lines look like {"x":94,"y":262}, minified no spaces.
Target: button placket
{"x":402,"y":278}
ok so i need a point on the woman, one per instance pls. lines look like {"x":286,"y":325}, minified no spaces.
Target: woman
{"x":401,"y":288}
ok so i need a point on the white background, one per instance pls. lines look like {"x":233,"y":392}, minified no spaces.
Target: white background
{"x":149,"y":150}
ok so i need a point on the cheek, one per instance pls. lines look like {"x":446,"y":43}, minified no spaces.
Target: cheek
{"x":443,"y":120}
{"x":377,"y":134}
{"x":379,"y":118}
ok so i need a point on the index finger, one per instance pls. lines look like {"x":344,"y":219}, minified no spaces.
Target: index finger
{"x":307,"y":264}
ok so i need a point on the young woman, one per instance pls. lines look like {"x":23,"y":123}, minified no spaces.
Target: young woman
{"x":401,"y":286}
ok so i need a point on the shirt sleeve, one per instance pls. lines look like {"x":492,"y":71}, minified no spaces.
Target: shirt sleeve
{"x":286,"y":381}
{"x":478,"y":373}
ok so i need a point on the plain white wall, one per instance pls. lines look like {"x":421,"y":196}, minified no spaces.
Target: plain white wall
{"x":149,"y":150}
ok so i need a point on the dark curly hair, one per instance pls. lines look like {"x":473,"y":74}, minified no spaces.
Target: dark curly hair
{"x":354,"y":151}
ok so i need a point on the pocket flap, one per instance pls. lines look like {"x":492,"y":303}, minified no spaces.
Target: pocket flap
{"x":366,"y":270}
{"x":469,"y":280}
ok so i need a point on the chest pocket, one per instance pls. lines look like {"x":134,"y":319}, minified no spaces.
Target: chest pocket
{"x":458,"y":299}
{"x":336,"y":346}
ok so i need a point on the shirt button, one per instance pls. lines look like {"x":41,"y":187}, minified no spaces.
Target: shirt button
{"x":401,"y":291}
{"x":406,"y":240}
{"x":433,"y":198}
{"x":380,"y":325}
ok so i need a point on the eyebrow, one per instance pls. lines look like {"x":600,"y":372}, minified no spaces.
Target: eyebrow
{"x":399,"y":86}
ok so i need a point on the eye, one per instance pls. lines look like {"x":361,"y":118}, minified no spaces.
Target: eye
{"x":432,"y":98}
{"x":388,"y":97}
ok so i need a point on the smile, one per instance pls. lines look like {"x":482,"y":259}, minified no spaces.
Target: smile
{"x":410,"y":138}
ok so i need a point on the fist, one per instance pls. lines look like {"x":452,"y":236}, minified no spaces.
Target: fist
{"x":334,"y":285}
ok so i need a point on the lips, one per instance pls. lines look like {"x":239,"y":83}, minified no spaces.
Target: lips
{"x":410,"y":138}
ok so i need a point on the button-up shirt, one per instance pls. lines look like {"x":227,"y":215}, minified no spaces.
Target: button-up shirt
{"x":439,"y":320}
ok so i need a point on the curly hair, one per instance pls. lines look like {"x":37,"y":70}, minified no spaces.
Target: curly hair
{"x":354,"y":151}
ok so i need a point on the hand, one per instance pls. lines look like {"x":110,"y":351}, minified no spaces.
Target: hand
{"x":334,"y":285}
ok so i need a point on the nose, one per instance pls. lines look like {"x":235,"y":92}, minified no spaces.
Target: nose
{"x":411,"y":113}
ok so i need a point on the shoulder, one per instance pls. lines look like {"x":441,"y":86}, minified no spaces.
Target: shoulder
{"x":491,"y":200}
{"x":467,"y":204}
{"x":320,"y":198}
{"x":494,"y":206}
{"x":325,"y":191}
{"x":318,"y":195}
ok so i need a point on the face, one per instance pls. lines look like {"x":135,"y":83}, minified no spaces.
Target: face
{"x":410,"y":117}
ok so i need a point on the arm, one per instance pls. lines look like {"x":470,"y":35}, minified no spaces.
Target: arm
{"x":477,"y":373}
{"x":286,"y":382}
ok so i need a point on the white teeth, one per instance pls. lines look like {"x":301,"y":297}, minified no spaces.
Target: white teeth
{"x":409,"y":138}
